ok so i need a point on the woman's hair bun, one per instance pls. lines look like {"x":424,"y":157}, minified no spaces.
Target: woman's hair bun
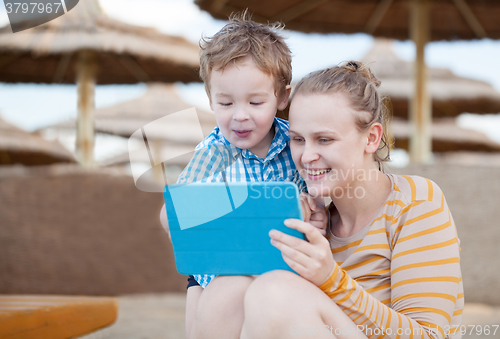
{"x":352,"y":64}
{"x":362,"y":69}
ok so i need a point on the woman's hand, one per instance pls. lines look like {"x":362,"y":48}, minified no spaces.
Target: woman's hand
{"x":312,"y":259}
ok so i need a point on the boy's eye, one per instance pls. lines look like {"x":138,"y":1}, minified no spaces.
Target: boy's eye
{"x":225,"y":103}
{"x":256,"y":103}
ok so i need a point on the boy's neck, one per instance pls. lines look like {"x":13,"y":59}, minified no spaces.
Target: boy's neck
{"x":262,"y":148}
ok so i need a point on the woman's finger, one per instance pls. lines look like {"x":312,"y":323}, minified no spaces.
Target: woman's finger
{"x":294,"y":265}
{"x":291,"y":241}
{"x":312,"y":234}
{"x":292,"y":254}
{"x":318,"y":249}
{"x":305,"y":265}
{"x":312,"y":261}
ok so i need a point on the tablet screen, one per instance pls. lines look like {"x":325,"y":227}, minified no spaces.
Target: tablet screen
{"x":223,"y":228}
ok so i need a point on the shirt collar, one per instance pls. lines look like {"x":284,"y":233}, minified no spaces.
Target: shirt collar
{"x":280,"y":140}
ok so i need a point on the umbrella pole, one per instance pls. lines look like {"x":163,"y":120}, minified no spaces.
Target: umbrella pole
{"x":159,"y":175}
{"x":86,"y":75}
{"x":420,"y":112}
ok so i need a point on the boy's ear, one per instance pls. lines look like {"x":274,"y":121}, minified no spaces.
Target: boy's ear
{"x":284,"y":101}
{"x":374,"y":136}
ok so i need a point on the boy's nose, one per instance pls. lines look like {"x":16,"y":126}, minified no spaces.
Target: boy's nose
{"x":241,"y":114}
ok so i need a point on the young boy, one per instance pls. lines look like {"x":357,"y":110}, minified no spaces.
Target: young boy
{"x":246,"y":68}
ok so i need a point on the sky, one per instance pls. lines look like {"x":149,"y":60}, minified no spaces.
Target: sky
{"x":34,"y":106}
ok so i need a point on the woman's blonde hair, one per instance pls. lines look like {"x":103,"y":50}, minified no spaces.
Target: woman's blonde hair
{"x":360,"y":85}
{"x":242,"y":37}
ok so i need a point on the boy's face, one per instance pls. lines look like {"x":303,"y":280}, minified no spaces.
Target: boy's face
{"x":243,"y":100}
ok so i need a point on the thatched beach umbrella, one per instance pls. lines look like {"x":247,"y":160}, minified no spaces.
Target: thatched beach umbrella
{"x":90,"y":48}
{"x":451,"y":94}
{"x":20,"y":147}
{"x":167,"y":148}
{"x":447,"y":136}
{"x":160,"y":100}
{"x":168,"y":138}
{"x":419,"y":20}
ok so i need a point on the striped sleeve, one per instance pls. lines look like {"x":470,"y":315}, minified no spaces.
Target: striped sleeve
{"x":425,"y":277}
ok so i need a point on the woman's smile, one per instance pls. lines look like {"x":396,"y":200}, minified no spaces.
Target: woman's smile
{"x":317,"y":174}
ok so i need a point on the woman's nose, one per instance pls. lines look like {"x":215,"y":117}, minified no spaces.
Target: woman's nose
{"x":309,"y":155}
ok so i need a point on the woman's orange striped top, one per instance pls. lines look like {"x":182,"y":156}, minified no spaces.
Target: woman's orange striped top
{"x":400,"y":276}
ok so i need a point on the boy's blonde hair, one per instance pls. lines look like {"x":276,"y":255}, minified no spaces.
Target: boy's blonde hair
{"x":356,"y":80}
{"x":242,"y":37}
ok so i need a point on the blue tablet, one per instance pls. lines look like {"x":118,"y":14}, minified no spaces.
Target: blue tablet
{"x":223,"y":228}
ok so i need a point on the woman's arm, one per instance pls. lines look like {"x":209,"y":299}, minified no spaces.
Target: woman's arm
{"x":425,"y":277}
{"x":425,"y":274}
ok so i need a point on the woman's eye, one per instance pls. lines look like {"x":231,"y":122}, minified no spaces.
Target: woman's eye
{"x":298,"y":140}
{"x":324,"y":141}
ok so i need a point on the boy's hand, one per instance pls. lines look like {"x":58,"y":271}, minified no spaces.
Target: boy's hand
{"x":314,"y":213}
{"x":319,"y":219}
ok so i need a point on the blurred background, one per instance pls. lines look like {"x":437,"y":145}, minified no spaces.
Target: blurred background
{"x":74,"y":90}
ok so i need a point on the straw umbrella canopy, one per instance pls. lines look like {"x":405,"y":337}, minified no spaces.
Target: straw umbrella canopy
{"x":451,"y":94}
{"x":90,"y":48}
{"x":173,"y":129}
{"x":419,"y":20}
{"x":447,"y":136}
{"x":170,"y":130}
{"x":167,"y":149}
{"x":20,"y":147}
{"x":160,"y":100}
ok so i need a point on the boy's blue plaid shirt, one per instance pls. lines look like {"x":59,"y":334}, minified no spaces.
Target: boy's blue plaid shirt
{"x":217,"y":160}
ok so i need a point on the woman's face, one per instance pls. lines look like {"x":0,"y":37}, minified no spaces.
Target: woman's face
{"x":327,"y":147}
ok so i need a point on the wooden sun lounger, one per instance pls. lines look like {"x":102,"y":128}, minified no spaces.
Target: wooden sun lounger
{"x":54,"y":317}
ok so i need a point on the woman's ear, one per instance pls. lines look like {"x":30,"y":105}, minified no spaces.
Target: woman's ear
{"x":284,"y":101}
{"x":374,"y":136}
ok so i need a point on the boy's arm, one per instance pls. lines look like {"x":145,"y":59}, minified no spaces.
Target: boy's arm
{"x":193,"y":292}
{"x":192,"y":298}
{"x":164,"y":221}
{"x":203,"y":166}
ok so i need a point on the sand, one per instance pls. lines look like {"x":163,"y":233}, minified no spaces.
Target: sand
{"x":161,"y":316}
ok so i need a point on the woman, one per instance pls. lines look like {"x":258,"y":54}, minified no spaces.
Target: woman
{"x":395,"y":270}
